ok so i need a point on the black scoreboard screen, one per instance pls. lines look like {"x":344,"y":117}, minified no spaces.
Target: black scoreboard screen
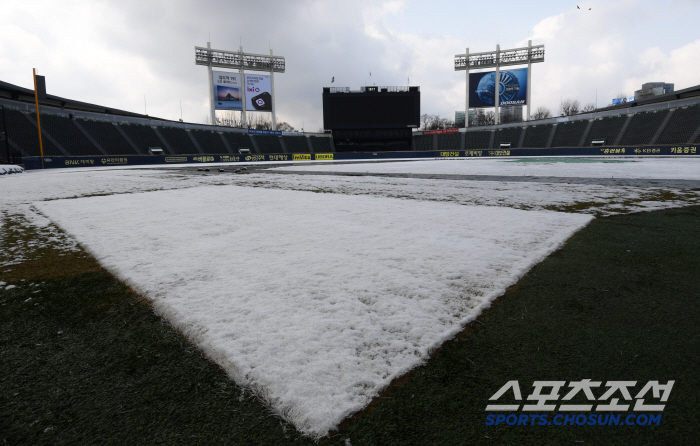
{"x":371,"y":109}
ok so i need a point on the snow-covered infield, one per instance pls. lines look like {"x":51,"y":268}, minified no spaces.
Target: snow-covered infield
{"x":317,"y":291}
{"x":314,"y":301}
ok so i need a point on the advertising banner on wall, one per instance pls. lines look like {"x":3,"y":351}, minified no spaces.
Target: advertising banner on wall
{"x":513,"y":88}
{"x":258,"y":92}
{"x":228,"y":90}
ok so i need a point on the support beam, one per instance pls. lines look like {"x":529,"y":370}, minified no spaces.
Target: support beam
{"x":272,"y":93}
{"x":212,"y":109}
{"x":244,"y":122}
{"x":466,"y":104}
{"x":529,"y":76}
{"x":497,"y":87}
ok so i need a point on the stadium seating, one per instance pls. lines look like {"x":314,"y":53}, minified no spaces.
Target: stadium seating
{"x":107,"y":136}
{"x":178,"y":140}
{"x":23,"y":133}
{"x":642,"y":127}
{"x":569,"y":134}
{"x":477,"y":140}
{"x":321,"y":145}
{"x":64,"y":131}
{"x":296,"y":144}
{"x":423,"y":143}
{"x":684,"y":122}
{"x":449,"y":142}
{"x":239,"y":141}
{"x":268,"y":143}
{"x":64,"y":136}
{"x":143,"y":136}
{"x":606,"y":129}
{"x":507,"y":135}
{"x":210,"y":142}
{"x":536,"y":136}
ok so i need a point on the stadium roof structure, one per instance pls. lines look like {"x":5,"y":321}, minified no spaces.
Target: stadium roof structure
{"x":21,"y":94}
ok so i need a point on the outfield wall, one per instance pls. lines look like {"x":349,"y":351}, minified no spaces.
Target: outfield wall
{"x":155,"y":160}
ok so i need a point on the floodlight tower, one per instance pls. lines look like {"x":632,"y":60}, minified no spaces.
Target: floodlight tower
{"x":490,"y":59}
{"x":238,"y":60}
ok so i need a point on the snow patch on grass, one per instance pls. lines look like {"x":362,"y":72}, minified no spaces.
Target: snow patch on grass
{"x":314,"y":301}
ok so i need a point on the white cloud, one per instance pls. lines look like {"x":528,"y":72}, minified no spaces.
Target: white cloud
{"x":589,"y":51}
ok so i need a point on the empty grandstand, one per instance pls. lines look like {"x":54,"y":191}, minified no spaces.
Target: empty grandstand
{"x":479,"y":139}
{"x":683,"y":128}
{"x":507,"y":137}
{"x":569,"y":134}
{"x":643,"y":127}
{"x":75,"y":129}
{"x":268,"y":144}
{"x":449,"y":142}
{"x":108,"y":137}
{"x":296,"y":144}
{"x":209,"y":141}
{"x":537,"y":135}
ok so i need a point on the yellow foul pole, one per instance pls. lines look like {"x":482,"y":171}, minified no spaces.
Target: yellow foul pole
{"x":38,"y":121}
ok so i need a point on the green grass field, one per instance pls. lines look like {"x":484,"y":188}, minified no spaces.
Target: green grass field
{"x":83,"y":359}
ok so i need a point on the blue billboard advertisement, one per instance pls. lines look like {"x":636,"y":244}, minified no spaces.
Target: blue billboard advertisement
{"x":512,"y":91}
{"x":227,"y":91}
{"x":617,"y":101}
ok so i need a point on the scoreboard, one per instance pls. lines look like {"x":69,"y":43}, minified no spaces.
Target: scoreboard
{"x":373,"y":108}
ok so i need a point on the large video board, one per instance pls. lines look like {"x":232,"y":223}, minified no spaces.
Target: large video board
{"x":371,"y":109}
{"x":228,"y":90}
{"x":513,"y":88}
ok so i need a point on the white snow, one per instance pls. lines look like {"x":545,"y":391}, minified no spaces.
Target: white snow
{"x":315,"y":301}
{"x":649,"y":168}
{"x":593,"y":199}
{"x":9,"y":168}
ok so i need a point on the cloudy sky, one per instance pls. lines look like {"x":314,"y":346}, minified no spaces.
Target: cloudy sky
{"x":113,"y":52}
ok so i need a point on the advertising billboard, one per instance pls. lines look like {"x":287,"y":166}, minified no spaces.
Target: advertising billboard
{"x":258,"y":93}
{"x":228,"y":90}
{"x":512,"y":88}
{"x":617,"y":101}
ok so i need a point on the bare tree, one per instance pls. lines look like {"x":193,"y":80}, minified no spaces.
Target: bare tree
{"x":588,"y":108}
{"x":424,"y":120}
{"x":542,"y":113}
{"x":229,"y":118}
{"x":481,"y":118}
{"x":510,"y":114}
{"x":570,"y":107}
{"x":285,"y":127}
{"x":257,"y":121}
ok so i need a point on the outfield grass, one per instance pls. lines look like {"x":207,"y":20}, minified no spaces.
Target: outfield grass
{"x":85,"y":361}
